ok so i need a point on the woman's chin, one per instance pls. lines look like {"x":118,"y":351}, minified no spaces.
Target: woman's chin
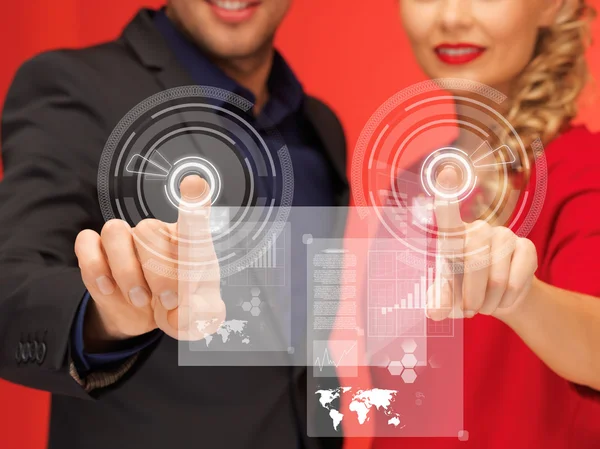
{"x":443,"y":80}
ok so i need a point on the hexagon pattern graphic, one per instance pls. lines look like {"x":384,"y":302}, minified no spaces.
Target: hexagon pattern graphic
{"x":253,"y":306}
{"x":434,"y":362}
{"x":409,"y":346}
{"x":255,"y":292}
{"x":409,"y":361}
{"x":395,"y":367}
{"x":409,"y":376}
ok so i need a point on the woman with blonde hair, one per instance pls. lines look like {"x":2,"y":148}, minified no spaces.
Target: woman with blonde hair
{"x":532,"y":319}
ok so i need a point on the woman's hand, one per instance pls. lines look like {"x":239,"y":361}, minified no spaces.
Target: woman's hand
{"x":480,"y":269}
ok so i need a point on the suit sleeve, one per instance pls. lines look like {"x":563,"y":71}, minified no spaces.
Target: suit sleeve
{"x":86,"y":362}
{"x":51,"y":145}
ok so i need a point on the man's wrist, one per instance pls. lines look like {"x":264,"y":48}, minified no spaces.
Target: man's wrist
{"x":98,"y":336}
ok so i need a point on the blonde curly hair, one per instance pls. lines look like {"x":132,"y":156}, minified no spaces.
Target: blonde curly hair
{"x":544,"y":98}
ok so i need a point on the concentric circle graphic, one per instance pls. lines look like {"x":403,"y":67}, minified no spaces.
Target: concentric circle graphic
{"x":421,"y":130}
{"x":455,"y":158}
{"x":188,"y":166}
{"x":209,"y":132}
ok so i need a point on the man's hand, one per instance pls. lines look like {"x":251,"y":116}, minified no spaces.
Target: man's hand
{"x":480,"y":268}
{"x":156,"y":275}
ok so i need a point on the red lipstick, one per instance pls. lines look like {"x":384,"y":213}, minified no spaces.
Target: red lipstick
{"x":461,"y":53}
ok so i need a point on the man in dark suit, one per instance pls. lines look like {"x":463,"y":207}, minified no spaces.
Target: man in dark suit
{"x":71,"y":322}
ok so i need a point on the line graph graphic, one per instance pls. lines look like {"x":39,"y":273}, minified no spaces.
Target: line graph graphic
{"x":331,"y":354}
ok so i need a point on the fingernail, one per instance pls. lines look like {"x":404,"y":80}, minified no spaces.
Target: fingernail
{"x":169,"y":300}
{"x":469,"y":313}
{"x":139,"y":296}
{"x":105,"y":285}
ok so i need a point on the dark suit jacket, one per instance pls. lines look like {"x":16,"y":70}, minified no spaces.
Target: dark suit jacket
{"x":59,"y":112}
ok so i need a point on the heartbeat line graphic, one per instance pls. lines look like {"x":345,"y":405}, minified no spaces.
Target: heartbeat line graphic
{"x":327,"y":360}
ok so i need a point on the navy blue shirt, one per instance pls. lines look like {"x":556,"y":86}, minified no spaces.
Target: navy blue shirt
{"x":312,"y":172}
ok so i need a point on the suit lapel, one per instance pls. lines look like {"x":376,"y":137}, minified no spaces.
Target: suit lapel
{"x":331,"y":135}
{"x":149,"y":46}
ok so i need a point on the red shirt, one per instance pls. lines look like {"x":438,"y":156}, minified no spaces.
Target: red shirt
{"x":511,"y":399}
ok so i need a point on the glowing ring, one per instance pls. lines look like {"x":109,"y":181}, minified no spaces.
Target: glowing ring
{"x":427,"y":167}
{"x":214,"y":184}
{"x":123,"y":134}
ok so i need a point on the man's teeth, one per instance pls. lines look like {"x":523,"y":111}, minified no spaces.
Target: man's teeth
{"x":458,"y":51}
{"x":231,"y":5}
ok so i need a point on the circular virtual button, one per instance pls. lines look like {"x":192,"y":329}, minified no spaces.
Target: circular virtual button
{"x":421,"y":130}
{"x":193,"y":165}
{"x":211,"y":133}
{"x":436,"y":162}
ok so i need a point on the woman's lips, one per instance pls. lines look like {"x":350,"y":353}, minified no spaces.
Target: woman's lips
{"x":233,"y":11}
{"x":458,"y":53}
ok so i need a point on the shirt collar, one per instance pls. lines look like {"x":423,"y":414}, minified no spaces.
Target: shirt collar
{"x":285,"y":91}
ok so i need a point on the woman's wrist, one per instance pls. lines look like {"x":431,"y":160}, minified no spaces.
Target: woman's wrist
{"x":523,"y":311}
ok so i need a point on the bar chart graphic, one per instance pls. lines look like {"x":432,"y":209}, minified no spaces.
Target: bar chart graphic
{"x":268,"y":258}
{"x":398,"y":298}
{"x":395,"y":208}
{"x":268,"y":268}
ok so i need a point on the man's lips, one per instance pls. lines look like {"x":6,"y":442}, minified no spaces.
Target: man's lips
{"x":460,"y":53}
{"x":233,"y":11}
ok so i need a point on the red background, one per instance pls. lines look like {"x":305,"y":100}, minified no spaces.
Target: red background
{"x":351,"y":54}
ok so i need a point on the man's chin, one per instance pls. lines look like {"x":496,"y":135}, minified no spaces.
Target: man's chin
{"x":230,"y":54}
{"x":236,"y":48}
